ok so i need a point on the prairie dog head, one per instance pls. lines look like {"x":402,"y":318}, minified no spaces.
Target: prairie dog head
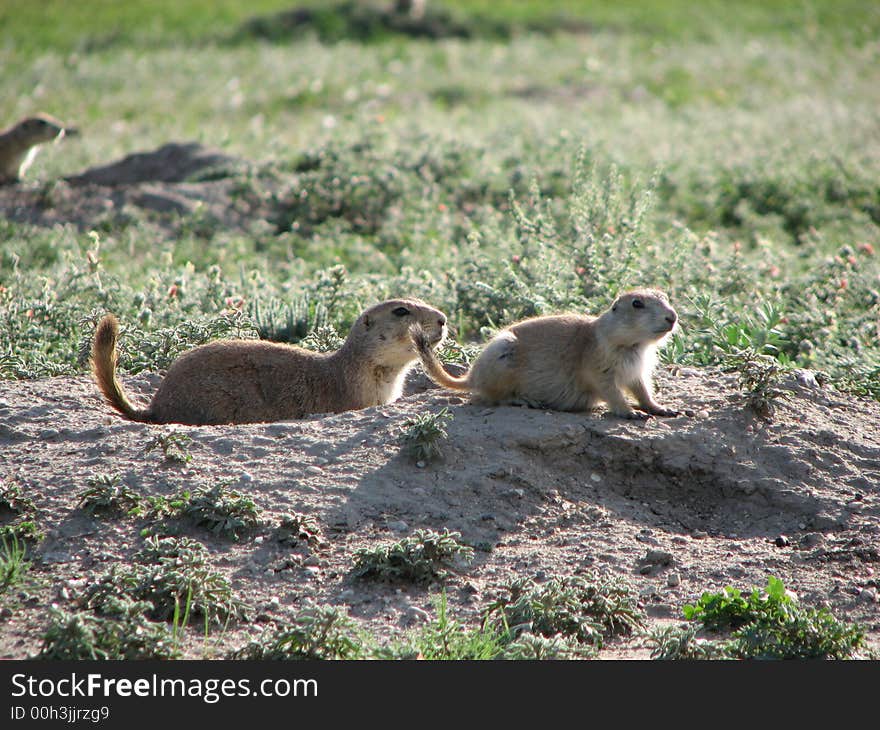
{"x":41,"y":128}
{"x":640,"y":317}
{"x":384,"y":330}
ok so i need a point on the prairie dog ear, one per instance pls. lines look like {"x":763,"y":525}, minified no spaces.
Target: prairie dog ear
{"x":367,"y":322}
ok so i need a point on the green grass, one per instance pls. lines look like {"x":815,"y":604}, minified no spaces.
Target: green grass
{"x":56,"y":24}
{"x":728,"y":158}
{"x":13,"y":562}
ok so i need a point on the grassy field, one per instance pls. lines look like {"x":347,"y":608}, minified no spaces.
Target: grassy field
{"x":730,"y":156}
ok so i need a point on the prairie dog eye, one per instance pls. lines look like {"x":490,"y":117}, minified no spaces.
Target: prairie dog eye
{"x":400,"y":312}
{"x":638,"y":304}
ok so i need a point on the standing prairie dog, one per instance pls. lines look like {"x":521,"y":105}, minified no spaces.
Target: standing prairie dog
{"x":570,"y":362}
{"x":19,"y":144}
{"x":252,"y":381}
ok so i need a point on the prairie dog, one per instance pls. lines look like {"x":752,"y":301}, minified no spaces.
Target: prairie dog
{"x":19,"y":144}
{"x":252,"y":381}
{"x":571,"y":362}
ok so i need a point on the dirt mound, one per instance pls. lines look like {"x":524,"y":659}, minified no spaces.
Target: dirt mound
{"x":173,"y":182}
{"x":172,"y":162}
{"x":538,"y":493}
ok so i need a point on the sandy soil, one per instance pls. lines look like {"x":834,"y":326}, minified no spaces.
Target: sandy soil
{"x":539,"y":493}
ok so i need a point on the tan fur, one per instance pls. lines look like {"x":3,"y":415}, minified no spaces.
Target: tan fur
{"x":571,"y":362}
{"x":250,"y":381}
{"x":19,"y":143}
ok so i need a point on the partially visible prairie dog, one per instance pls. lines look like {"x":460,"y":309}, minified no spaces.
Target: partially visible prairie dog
{"x":251,"y":381}
{"x":19,"y":143}
{"x":571,"y":362}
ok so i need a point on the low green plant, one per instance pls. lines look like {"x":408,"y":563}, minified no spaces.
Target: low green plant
{"x":771,"y":624}
{"x":160,"y":507}
{"x":174,"y":445}
{"x":534,"y":647}
{"x":222,"y":510}
{"x":423,"y":434}
{"x":13,"y":501}
{"x":759,"y":378}
{"x":682,"y":642}
{"x":584,"y":608}
{"x":731,"y":608}
{"x":83,"y":635}
{"x":107,"y":495}
{"x":169,"y":573}
{"x":316,"y":632}
{"x":297,"y":527}
{"x":22,"y":529}
{"x":424,"y":556}
{"x":13,"y":562}
{"x":807,"y":634}
{"x":447,"y":638}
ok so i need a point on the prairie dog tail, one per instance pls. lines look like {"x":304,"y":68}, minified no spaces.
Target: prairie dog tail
{"x":103,"y":362}
{"x":432,"y":364}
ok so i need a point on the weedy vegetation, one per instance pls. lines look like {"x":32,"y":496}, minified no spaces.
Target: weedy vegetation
{"x":173,"y":444}
{"x":106,"y":495}
{"x":13,"y":562}
{"x":762,"y":624}
{"x":316,"y":632}
{"x":422,"y":557}
{"x":422,"y":435}
{"x":170,"y":578}
{"x":585,"y":609}
{"x":83,"y":635}
{"x":221,"y":510}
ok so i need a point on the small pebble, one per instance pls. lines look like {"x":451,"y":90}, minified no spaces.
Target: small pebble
{"x":398,"y":526}
{"x":595,"y":477}
{"x":673,"y":580}
{"x":246,"y":477}
{"x":420,"y":464}
{"x":258,"y":540}
{"x":644,"y":570}
{"x":782,"y":541}
{"x":700,"y":535}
